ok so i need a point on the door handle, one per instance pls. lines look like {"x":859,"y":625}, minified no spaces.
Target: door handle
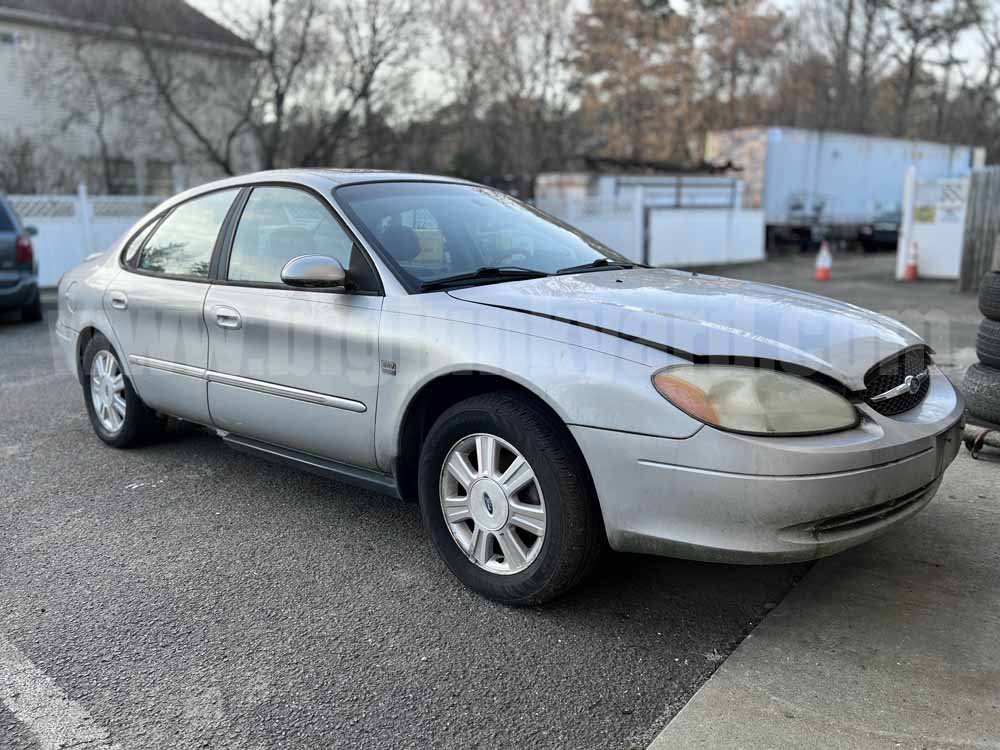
{"x":118,"y":300}
{"x":227,"y":317}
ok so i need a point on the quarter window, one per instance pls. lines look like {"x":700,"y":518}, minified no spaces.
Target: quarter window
{"x":279,"y":224}
{"x":136,"y":244}
{"x":182,"y":245}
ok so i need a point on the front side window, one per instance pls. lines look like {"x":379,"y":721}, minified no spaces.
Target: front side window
{"x":430,"y":231}
{"x":183,"y":243}
{"x":279,"y":224}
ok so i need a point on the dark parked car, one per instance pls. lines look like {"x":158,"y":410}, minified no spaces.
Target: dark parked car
{"x":882,"y":233}
{"x":18,"y":266}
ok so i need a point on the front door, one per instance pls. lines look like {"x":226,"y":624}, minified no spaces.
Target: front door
{"x":156,"y":305}
{"x":292,"y":367}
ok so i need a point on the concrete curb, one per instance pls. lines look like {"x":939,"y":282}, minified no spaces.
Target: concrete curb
{"x":889,"y":645}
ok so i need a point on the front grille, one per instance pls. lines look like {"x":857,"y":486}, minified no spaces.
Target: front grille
{"x":893,"y":372}
{"x":858,"y":520}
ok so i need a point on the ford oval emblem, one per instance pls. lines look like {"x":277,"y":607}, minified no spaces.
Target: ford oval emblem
{"x":489,"y":503}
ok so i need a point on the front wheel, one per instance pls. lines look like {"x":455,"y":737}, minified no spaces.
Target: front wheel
{"x":507,"y":499}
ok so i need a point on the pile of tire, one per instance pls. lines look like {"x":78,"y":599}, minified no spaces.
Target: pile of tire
{"x":982,"y":380}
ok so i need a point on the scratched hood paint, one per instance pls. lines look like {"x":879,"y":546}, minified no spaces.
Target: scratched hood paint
{"x":712,"y":316}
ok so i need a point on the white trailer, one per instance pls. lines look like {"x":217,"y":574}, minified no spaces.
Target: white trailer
{"x":812,"y":182}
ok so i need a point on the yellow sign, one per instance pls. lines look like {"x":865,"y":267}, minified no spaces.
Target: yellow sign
{"x":924,"y":214}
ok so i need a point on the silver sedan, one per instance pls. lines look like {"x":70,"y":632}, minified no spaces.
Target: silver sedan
{"x":540,"y":395}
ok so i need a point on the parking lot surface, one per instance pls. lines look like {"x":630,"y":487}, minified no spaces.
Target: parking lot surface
{"x":184,"y":595}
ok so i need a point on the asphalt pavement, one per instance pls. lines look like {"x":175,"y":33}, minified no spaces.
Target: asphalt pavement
{"x":184,"y":595}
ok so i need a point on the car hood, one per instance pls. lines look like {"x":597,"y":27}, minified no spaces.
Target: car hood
{"x":703,"y":317}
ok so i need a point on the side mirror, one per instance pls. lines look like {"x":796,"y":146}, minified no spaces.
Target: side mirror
{"x":31,"y":231}
{"x":314,"y":271}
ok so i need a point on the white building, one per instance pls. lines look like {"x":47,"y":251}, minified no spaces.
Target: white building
{"x":76,"y":93}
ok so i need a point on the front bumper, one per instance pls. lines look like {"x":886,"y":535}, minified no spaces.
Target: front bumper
{"x":723,"y":497}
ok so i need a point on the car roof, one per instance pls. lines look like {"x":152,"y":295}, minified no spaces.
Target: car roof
{"x":337,"y":177}
{"x":315,"y":177}
{"x":353,"y":176}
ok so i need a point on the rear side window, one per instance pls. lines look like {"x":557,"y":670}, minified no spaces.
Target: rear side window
{"x":182,"y":245}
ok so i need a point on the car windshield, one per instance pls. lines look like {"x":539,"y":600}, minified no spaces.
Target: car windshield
{"x":429,"y":231}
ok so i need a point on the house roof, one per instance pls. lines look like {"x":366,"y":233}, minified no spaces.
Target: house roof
{"x":167,"y":18}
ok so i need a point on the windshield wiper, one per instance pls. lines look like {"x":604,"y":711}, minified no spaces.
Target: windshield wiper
{"x":486,"y":273}
{"x":599,"y":264}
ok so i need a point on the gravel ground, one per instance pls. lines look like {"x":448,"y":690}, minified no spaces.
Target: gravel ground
{"x":188,"y":596}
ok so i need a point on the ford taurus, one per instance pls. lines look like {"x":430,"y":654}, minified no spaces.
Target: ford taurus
{"x":542,"y":396}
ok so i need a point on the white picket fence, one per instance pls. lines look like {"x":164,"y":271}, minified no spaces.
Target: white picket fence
{"x":71,"y":227}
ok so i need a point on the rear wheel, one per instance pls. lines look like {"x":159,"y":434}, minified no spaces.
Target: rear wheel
{"x":32,"y":312}
{"x":507,"y":499}
{"x":116,"y":412}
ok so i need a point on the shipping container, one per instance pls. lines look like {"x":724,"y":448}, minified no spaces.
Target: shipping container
{"x":813,"y":183}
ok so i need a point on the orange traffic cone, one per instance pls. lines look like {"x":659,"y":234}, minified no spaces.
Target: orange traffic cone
{"x":824,"y":262}
{"x":911,"y":272}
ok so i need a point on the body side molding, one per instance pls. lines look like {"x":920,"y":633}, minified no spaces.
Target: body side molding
{"x":261,"y":386}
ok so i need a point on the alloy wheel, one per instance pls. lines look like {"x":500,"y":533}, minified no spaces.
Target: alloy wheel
{"x":492,"y":504}
{"x":107,"y":391}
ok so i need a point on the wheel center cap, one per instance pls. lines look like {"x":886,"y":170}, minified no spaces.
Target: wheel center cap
{"x":488,"y":504}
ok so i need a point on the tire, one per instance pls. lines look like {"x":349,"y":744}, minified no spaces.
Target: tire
{"x":989,"y":296}
{"x":32,"y":312}
{"x":988,"y":343}
{"x":573,"y":537}
{"x":981,"y":387}
{"x":139,"y":425}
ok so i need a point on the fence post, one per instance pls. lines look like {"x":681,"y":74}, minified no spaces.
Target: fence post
{"x":639,"y":217}
{"x":906,"y":227}
{"x":83,"y":213}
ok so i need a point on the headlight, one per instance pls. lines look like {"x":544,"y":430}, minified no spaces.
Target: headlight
{"x":756,"y":401}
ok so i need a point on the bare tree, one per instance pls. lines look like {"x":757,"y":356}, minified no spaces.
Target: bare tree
{"x":289,"y":40}
{"x":742,"y":38}
{"x":97,"y":96}
{"x":922,"y":25}
{"x":870,"y":50}
{"x":627,"y":53}
{"x":192,"y":90}
{"x":28,"y":166}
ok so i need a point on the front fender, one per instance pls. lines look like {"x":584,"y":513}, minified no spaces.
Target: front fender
{"x":582,"y":385}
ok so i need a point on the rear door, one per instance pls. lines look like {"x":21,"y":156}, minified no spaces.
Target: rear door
{"x":156,"y":305}
{"x":296,"y":368}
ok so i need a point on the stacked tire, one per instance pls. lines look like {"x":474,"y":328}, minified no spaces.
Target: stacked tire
{"x":982,"y":380}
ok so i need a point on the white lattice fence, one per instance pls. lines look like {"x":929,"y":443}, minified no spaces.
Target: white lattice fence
{"x":71,"y":227}
{"x":44,"y":206}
